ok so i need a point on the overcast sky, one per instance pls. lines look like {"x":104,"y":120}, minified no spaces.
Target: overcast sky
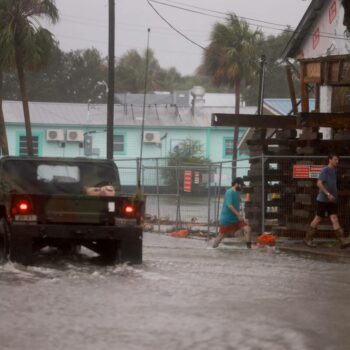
{"x":84,"y":24}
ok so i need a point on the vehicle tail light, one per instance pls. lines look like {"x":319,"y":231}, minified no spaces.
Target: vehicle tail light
{"x":129,"y":210}
{"x":22,"y":210}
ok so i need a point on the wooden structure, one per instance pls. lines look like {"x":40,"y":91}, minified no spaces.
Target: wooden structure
{"x":287,"y":204}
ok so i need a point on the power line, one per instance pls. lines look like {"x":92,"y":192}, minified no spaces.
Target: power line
{"x":284,"y":29}
{"x":171,"y":26}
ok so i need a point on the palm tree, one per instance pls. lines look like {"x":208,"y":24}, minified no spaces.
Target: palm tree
{"x":231,"y":59}
{"x":26,"y":44}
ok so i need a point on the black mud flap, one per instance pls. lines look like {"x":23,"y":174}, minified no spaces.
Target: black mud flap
{"x":21,"y":249}
{"x":107,"y":249}
{"x":3,"y":240}
{"x":131,"y":249}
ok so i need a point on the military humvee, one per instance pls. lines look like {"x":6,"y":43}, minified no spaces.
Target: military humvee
{"x":44,"y":202}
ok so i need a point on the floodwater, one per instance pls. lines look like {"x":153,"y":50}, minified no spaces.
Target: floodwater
{"x":185,"y":295}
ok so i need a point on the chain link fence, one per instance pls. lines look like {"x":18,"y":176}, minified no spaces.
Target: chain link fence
{"x":280,"y":196}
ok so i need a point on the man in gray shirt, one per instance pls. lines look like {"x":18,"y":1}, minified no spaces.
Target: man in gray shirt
{"x":326,"y":202}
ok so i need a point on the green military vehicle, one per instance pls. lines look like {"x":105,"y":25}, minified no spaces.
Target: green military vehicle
{"x":67,"y":203}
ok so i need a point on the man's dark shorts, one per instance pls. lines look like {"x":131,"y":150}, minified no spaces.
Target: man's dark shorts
{"x":322,"y":208}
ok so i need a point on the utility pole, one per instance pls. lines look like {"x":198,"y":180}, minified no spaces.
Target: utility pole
{"x":110,"y":100}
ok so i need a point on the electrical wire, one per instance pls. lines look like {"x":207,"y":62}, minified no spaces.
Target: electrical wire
{"x":284,"y":29}
{"x":176,"y":30}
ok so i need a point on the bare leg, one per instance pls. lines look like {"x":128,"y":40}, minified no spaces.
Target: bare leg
{"x":218,"y":239}
{"x":311,"y":231}
{"x":335,"y":221}
{"x":316,"y":221}
{"x":247,"y":230}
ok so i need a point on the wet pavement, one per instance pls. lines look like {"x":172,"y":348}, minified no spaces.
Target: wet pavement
{"x":185,"y":295}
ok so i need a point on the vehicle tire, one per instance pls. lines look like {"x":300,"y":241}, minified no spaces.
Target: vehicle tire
{"x":3,"y":240}
{"x":108,"y":250}
{"x":21,"y":249}
{"x":131,"y":250}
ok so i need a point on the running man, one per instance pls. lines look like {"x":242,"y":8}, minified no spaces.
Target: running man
{"x":231,"y":220}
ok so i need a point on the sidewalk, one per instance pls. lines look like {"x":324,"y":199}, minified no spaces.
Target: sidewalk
{"x":324,"y":248}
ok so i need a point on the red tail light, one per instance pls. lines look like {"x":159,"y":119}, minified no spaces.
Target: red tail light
{"x":23,"y":207}
{"x":129,"y":210}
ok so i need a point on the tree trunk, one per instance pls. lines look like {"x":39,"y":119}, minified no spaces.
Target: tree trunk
{"x":25,"y":103}
{"x":3,"y":138}
{"x":236,"y":129}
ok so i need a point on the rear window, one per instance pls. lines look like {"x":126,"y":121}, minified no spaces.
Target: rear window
{"x":50,"y":177}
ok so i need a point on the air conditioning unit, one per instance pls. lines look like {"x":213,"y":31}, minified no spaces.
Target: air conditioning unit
{"x":55,"y":135}
{"x":75,"y":135}
{"x":151,"y":137}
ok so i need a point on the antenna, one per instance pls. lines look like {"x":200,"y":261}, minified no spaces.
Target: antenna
{"x":143,"y":111}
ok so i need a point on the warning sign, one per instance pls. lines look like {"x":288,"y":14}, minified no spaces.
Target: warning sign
{"x":301,"y":171}
{"x":187,"y":180}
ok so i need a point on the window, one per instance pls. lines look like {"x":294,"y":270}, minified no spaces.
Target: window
{"x":58,"y":173}
{"x":228,"y":147}
{"x":118,"y":143}
{"x":23,"y":151}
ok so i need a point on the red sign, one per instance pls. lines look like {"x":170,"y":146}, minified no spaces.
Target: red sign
{"x":187,"y":180}
{"x":316,"y":38}
{"x":301,"y":171}
{"x":332,"y":11}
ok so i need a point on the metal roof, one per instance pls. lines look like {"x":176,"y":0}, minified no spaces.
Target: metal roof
{"x":304,"y":28}
{"x":283,"y":106}
{"x":50,"y":113}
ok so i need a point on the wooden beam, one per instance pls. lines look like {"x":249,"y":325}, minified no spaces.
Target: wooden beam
{"x":254,"y":121}
{"x":292,"y":93}
{"x":313,"y":120}
{"x":327,"y":120}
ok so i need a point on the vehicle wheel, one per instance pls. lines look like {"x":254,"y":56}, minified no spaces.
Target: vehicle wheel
{"x":131,"y":250}
{"x":3,"y":240}
{"x":21,"y":249}
{"x":108,"y":250}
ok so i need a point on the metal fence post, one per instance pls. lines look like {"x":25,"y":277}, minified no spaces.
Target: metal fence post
{"x":158,"y":209}
{"x":262,"y":193}
{"x":178,"y":207}
{"x":218,"y":201}
{"x":209,"y":183}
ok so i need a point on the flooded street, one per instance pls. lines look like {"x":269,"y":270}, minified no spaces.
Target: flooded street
{"x":186,"y":295}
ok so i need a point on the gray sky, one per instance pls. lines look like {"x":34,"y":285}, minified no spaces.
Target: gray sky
{"x":84,"y":24}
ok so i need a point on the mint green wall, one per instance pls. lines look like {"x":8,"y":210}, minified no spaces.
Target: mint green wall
{"x":212,"y":140}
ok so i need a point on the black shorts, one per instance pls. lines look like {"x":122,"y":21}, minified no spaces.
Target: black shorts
{"x":330,"y":207}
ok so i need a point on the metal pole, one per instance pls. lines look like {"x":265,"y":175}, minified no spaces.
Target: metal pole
{"x":144,"y":94}
{"x":208,"y":233}
{"x":110,"y":102}
{"x":218,"y":201}
{"x":262,"y":193}
{"x":261,"y":84}
{"x":158,"y":209}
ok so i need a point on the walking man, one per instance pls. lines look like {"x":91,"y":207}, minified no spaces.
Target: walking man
{"x":231,"y":220}
{"x":326,"y":202}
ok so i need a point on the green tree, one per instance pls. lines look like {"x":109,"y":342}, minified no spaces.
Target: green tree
{"x":23,"y":39}
{"x":232,"y":60}
{"x":188,"y":152}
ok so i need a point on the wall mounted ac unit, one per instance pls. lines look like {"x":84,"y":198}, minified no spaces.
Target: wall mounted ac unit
{"x":55,"y":135}
{"x":75,"y":135}
{"x":151,"y":137}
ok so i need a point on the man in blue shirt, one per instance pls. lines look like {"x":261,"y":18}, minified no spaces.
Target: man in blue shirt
{"x":231,"y":219}
{"x":326,"y":202}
